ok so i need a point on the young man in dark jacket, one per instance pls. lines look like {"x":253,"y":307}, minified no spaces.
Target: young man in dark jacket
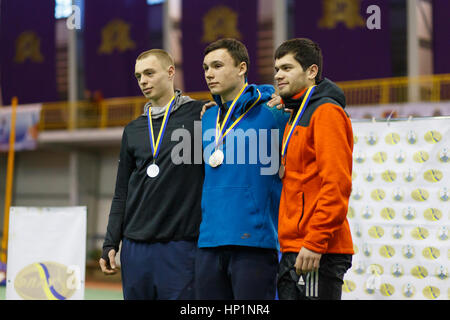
{"x":156,"y":209}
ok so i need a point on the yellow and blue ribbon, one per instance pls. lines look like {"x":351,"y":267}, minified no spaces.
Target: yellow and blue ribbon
{"x":220,"y":134}
{"x":298,"y":116}
{"x":156,"y":146}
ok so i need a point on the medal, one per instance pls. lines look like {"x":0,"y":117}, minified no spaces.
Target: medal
{"x":301,"y":110}
{"x":153,"y":169}
{"x":217,"y":158}
{"x":281,"y":171}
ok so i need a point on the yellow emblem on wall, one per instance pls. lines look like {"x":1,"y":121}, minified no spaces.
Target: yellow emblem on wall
{"x":116,"y":35}
{"x":220,"y":22}
{"x":345,"y":11}
{"x":28,"y":46}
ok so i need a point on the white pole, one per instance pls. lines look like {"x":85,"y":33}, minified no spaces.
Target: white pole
{"x":280,"y":22}
{"x":72,"y":97}
{"x":167,"y":26}
{"x":413,"y":50}
{"x":74,"y":196}
{"x":72,"y":75}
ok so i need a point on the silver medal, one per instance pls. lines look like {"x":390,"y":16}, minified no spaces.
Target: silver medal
{"x":152,"y":170}
{"x":216,"y":159}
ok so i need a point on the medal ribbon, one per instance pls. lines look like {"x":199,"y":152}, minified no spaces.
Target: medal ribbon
{"x":157,"y":146}
{"x":220,"y":135}
{"x":298,"y":116}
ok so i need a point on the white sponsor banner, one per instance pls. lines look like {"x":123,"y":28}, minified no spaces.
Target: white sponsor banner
{"x":46,"y":253}
{"x":399,"y":210}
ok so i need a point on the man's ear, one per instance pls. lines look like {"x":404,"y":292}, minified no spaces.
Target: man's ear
{"x":171,"y":72}
{"x":243,"y":68}
{"x":312,"y":71}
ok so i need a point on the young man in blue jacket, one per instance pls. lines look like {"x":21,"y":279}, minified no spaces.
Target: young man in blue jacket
{"x":238,"y":243}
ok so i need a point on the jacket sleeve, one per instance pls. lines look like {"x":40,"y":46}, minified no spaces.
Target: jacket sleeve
{"x":117,"y":212}
{"x":333,"y":144}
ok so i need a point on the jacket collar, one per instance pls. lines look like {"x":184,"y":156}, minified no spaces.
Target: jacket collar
{"x":294,"y":101}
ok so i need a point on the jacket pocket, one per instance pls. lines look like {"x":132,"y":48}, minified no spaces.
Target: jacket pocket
{"x":229,"y":213}
{"x":291,"y":213}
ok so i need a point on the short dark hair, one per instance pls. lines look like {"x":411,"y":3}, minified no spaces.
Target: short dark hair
{"x":305,"y":51}
{"x":163,"y":56}
{"x":237,"y":50}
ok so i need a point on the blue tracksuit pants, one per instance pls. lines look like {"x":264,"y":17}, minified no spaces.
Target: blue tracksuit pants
{"x":236,"y":272}
{"x":158,"y":271}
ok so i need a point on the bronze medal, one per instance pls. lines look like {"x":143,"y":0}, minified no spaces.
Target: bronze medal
{"x":287,"y":138}
{"x":281,"y":171}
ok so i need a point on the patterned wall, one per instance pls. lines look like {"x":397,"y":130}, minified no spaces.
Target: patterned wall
{"x":399,"y":210}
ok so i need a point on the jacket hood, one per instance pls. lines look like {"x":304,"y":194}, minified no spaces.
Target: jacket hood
{"x":179,"y":101}
{"x":249,"y":96}
{"x":324,"y":89}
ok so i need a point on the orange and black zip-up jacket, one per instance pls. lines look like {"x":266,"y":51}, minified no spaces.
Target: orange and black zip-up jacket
{"x":317,"y":181}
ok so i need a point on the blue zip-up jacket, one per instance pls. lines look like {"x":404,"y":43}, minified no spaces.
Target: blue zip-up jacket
{"x":240,"y":198}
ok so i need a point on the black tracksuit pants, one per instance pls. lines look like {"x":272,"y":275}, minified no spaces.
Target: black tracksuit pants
{"x":324,"y":284}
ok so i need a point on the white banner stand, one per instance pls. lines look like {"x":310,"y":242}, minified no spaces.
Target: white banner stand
{"x":46,"y":253}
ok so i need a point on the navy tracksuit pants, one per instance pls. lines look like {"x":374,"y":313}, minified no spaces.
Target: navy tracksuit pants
{"x":158,"y":271}
{"x":236,"y":272}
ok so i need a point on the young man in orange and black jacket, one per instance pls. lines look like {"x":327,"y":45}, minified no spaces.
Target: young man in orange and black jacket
{"x":316,"y":171}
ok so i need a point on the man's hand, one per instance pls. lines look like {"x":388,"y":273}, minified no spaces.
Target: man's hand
{"x":109,"y":268}
{"x":206,"y":106}
{"x":276,"y":102}
{"x":307,"y":261}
